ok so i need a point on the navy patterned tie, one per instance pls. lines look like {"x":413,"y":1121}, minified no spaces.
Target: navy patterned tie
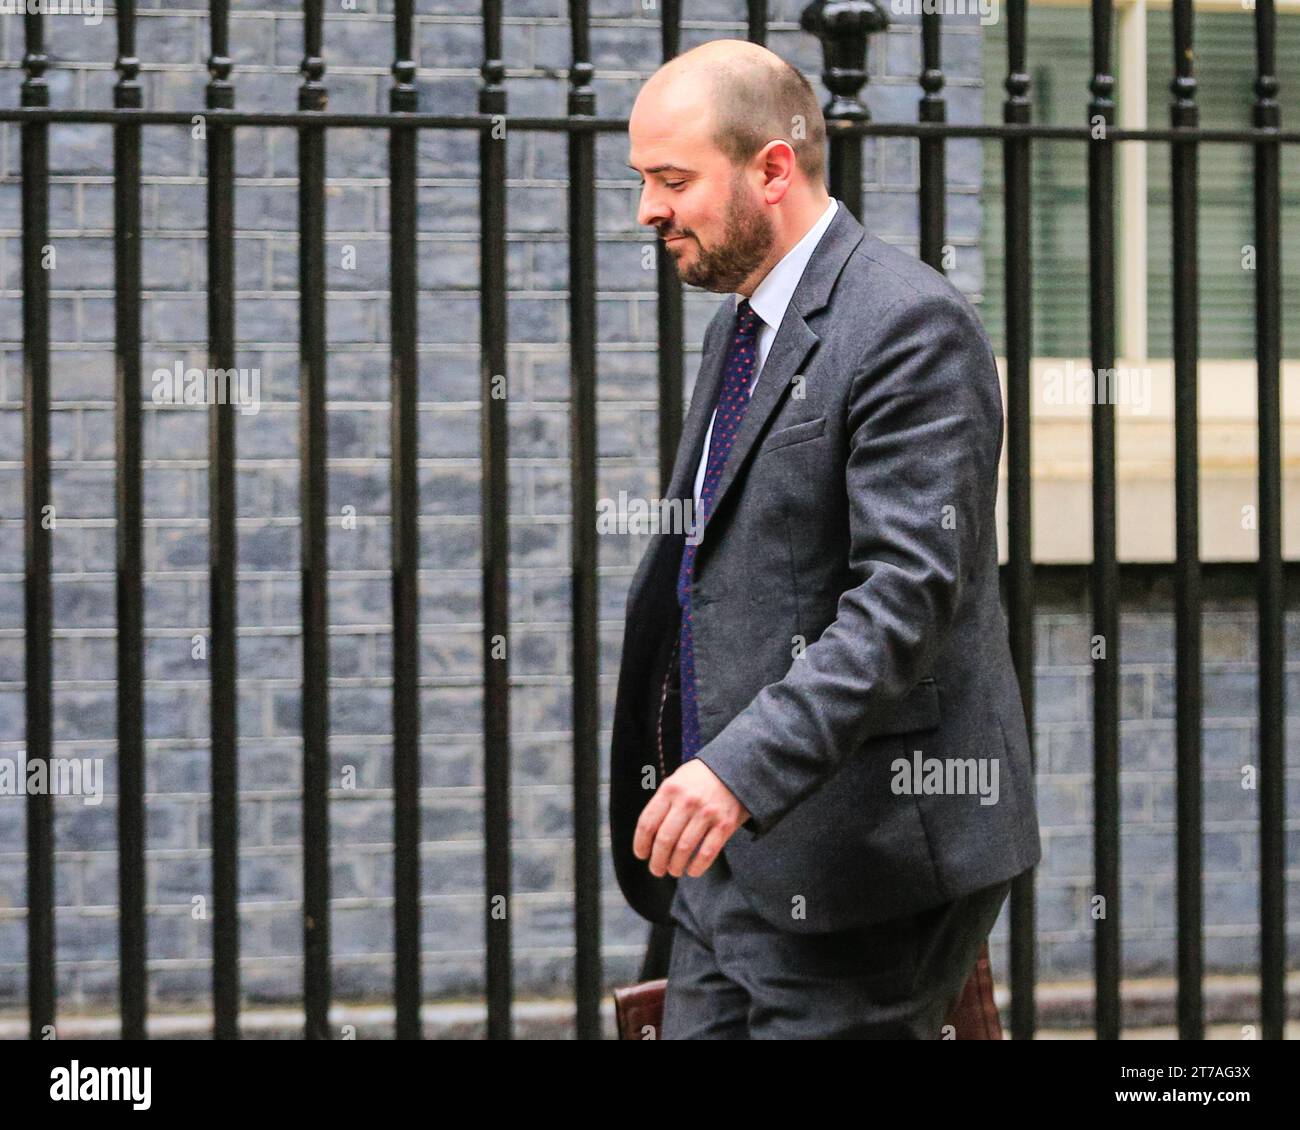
{"x":738,"y":372}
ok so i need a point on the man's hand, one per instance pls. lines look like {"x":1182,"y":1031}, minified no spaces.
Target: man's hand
{"x":692,"y":808}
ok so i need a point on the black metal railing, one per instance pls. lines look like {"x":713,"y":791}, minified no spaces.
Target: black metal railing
{"x":843,"y":28}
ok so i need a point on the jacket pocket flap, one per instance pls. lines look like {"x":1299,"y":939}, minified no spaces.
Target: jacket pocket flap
{"x":795,"y":433}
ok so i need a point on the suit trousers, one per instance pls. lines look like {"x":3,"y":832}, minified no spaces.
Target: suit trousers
{"x":734,"y":976}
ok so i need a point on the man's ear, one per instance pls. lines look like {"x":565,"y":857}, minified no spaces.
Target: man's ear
{"x":778,"y":164}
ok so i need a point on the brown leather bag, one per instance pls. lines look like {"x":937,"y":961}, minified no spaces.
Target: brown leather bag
{"x":639,"y":1009}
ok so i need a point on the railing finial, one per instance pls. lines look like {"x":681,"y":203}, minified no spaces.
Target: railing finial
{"x":843,"y":26}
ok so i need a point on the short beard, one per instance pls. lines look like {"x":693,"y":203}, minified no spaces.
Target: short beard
{"x":747,"y":240}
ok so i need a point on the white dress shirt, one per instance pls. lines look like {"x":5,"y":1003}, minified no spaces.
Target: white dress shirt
{"x":769,"y":302}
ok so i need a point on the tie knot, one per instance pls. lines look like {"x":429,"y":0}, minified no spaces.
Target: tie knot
{"x":746,"y":320}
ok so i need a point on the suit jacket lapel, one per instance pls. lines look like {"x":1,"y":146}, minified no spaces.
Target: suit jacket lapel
{"x":681,"y":484}
{"x":793,"y":342}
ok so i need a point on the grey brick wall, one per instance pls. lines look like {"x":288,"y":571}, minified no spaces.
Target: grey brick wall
{"x":266,"y":46}
{"x":1063,"y":687}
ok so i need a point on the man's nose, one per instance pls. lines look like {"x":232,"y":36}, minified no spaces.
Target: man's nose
{"x":651,"y":211}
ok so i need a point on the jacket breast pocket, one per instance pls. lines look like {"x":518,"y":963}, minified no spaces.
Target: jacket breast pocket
{"x":795,"y":433}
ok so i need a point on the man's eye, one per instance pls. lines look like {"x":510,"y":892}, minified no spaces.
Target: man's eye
{"x":671,"y":184}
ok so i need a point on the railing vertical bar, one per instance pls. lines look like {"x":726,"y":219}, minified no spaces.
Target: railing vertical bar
{"x":38,"y":523}
{"x":582,"y":456}
{"x":404,"y":422}
{"x":496,"y":532}
{"x":1270,"y":593}
{"x":670,"y":29}
{"x":756,"y":32}
{"x":315,"y":561}
{"x":671,"y":323}
{"x":1104,"y":572}
{"x":222,"y":540}
{"x":670,"y":358}
{"x":1016,"y":157}
{"x":129,"y":558}
{"x":1183,"y":111}
{"x":933,"y":165}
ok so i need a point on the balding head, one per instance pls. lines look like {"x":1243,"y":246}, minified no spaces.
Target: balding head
{"x":749,"y":96}
{"x":730,"y":141}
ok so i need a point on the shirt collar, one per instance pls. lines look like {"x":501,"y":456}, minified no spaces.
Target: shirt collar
{"x":773,"y":293}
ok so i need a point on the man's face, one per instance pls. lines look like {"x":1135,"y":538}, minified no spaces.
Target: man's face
{"x":706,"y":210}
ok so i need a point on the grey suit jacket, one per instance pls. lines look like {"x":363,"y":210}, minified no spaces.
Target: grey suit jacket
{"x":848,"y":632}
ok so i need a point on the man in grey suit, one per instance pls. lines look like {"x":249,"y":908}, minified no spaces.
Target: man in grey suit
{"x":820,"y":767}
